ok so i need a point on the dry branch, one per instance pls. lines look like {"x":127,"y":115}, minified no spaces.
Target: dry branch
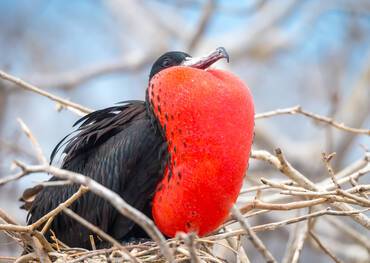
{"x":280,"y":162}
{"x":279,"y":224}
{"x":324,"y":248}
{"x":39,"y":153}
{"x":74,"y":107}
{"x":99,"y":232}
{"x":121,"y":205}
{"x":256,"y":241}
{"x":316,"y":117}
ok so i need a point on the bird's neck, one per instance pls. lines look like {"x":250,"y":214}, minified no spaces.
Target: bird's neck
{"x":156,"y":125}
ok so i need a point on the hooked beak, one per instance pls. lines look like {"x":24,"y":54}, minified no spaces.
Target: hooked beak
{"x":207,"y":61}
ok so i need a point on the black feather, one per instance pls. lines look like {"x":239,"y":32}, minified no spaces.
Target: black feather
{"x":118,"y":147}
{"x":121,"y":147}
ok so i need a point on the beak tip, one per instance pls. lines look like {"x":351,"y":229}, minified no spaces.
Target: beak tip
{"x":222,"y":51}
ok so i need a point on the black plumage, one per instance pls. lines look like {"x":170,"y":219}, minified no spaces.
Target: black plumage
{"x":122,"y":147}
{"x":119,"y":148}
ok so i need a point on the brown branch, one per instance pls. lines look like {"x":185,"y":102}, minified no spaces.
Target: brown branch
{"x":316,"y":117}
{"x":7,"y":259}
{"x":323,"y":248}
{"x":44,"y":243}
{"x":27,"y":258}
{"x":99,"y":232}
{"x":11,"y":178}
{"x":299,"y":242}
{"x":286,"y":168}
{"x":326,"y":158}
{"x":46,"y":217}
{"x":351,"y":233}
{"x":39,"y":153}
{"x":237,"y":248}
{"x":8,"y":219}
{"x":74,"y":107}
{"x":276,"y":225}
{"x":122,"y":206}
{"x":40,"y":251}
{"x":360,"y":200}
{"x":290,"y":190}
{"x":289,"y":247}
{"x":256,"y":241}
{"x":307,"y":193}
{"x":47,"y":225}
{"x":59,"y":208}
{"x":189,"y":240}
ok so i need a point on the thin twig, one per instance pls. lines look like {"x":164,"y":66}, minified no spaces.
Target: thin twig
{"x":300,"y":239}
{"x":280,"y":162}
{"x":7,"y":218}
{"x":11,"y":178}
{"x":256,"y":241}
{"x":189,"y":240}
{"x":323,"y":248}
{"x":122,"y":206}
{"x":76,"y":108}
{"x":59,"y":208}
{"x":327,"y":158}
{"x":27,"y":258}
{"x":99,"y":232}
{"x":39,"y":153}
{"x":324,"y":119}
{"x":275,"y":225}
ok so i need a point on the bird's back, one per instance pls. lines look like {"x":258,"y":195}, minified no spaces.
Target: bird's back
{"x":120,"y":148}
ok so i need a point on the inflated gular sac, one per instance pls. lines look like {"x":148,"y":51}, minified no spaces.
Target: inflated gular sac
{"x":207,"y":118}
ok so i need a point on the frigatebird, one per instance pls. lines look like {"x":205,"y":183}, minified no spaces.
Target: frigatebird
{"x":179,"y":156}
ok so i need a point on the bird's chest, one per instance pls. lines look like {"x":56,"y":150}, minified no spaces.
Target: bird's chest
{"x":208,"y":126}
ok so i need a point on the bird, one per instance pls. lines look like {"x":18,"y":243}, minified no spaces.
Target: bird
{"x":179,"y":157}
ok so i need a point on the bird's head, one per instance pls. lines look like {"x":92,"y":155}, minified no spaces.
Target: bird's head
{"x":178,"y":58}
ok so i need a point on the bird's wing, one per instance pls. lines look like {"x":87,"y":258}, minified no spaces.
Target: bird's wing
{"x":128,"y":161}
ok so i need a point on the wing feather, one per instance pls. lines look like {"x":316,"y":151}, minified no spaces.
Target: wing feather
{"x":119,"y":148}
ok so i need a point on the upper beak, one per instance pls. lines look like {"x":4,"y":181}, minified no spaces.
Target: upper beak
{"x":206,"y":61}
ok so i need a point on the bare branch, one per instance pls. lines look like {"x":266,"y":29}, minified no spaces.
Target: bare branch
{"x":74,"y":107}
{"x":276,"y":225}
{"x":59,"y":208}
{"x":299,"y":242}
{"x":286,"y":168}
{"x":122,"y":206}
{"x":323,"y":248}
{"x":99,"y":232}
{"x":189,"y":240}
{"x":39,"y":153}
{"x":256,"y":241}
{"x":316,"y":117}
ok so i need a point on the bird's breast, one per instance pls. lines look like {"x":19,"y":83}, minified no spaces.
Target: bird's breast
{"x":207,"y":118}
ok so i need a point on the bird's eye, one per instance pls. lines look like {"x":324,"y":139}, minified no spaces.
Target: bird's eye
{"x":166,"y":63}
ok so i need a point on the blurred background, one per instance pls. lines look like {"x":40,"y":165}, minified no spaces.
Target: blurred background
{"x":311,"y":53}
